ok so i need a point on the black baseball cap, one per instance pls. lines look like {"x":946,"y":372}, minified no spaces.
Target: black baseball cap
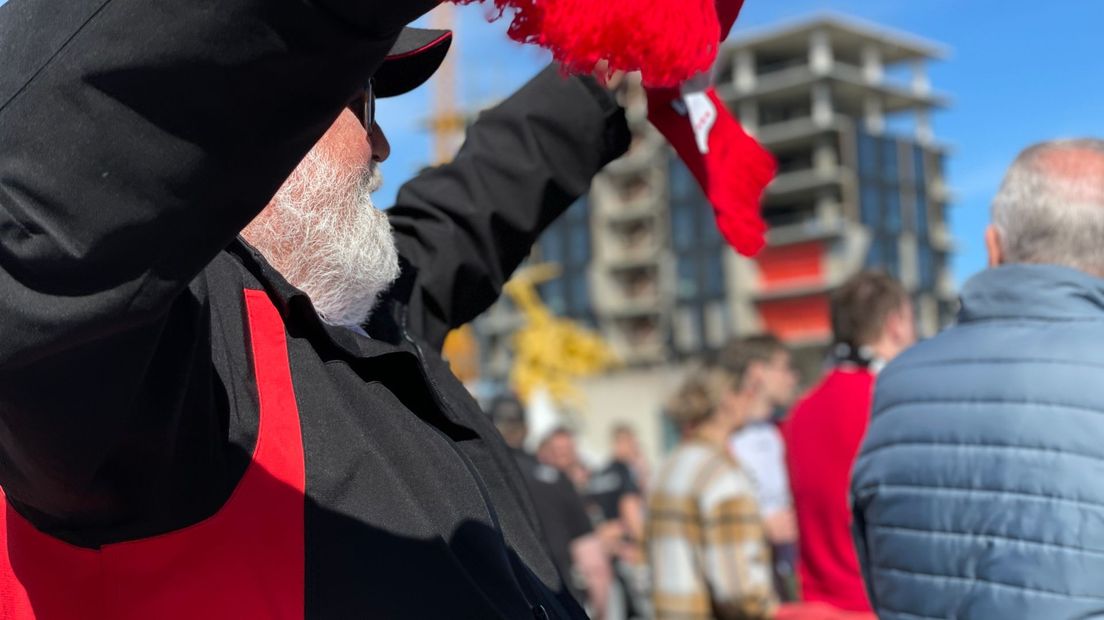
{"x":413,"y":59}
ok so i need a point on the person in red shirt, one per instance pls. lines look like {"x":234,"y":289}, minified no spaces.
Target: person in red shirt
{"x":872,"y":322}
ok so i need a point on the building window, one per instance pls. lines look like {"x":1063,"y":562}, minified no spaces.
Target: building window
{"x":682,"y":226}
{"x":891,"y":221}
{"x":684,"y":187}
{"x":687,"y":279}
{"x":880,"y":199}
{"x":552,"y":292}
{"x":688,"y":329}
{"x":578,"y":245}
{"x":921,"y":211}
{"x":874,"y":254}
{"x":579,"y":295}
{"x":890,"y":172}
{"x":551,"y":246}
{"x":699,"y":256}
{"x":918,"y":176}
{"x":714,"y":285}
{"x":870,"y":206}
{"x":891,"y":259}
{"x":925,"y":259}
{"x":884,"y":255}
{"x":710,"y":235}
{"x":868,"y":154}
{"x":715,"y":325}
{"x":566,"y":243}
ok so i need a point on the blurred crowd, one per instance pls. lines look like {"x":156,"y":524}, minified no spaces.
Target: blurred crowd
{"x":901,"y":469}
{"x":724,"y":508}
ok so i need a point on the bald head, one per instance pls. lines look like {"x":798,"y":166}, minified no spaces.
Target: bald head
{"x":1050,"y":207}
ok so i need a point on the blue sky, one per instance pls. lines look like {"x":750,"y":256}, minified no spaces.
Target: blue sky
{"x":1018,"y":72}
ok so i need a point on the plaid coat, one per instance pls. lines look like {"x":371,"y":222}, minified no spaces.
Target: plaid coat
{"x":705,"y":540}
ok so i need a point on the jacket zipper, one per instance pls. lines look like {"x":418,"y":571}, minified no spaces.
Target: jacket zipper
{"x":440,"y":401}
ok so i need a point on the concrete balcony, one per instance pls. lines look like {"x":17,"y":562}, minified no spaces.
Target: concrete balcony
{"x":621,"y":213}
{"x":811,"y":229}
{"x":616,"y":259}
{"x":637,"y":340}
{"x":795,"y":132}
{"x":806,"y":183}
{"x":940,"y":236}
{"x":849,"y":88}
{"x":622,"y":305}
{"x":628,"y":290}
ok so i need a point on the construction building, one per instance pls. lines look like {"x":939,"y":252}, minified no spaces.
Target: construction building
{"x":845,"y":107}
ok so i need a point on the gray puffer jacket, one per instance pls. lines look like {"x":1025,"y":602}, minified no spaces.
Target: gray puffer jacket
{"x":979,"y":490}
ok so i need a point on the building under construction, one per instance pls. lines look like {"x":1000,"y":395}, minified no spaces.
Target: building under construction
{"x":845,"y":108}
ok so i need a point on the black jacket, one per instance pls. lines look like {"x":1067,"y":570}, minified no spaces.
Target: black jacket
{"x":137,"y":137}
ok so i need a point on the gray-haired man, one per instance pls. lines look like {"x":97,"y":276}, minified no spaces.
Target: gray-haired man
{"x":979,"y":492}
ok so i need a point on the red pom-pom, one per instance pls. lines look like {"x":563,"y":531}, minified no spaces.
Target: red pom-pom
{"x":668,"y":41}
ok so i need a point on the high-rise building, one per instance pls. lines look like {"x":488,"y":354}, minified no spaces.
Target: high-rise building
{"x":845,"y":107}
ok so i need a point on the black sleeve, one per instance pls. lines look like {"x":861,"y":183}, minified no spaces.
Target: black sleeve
{"x":628,"y":484}
{"x":464,"y":227}
{"x":573,"y":513}
{"x":137,"y":137}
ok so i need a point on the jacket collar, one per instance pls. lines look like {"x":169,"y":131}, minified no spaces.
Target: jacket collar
{"x":1047,"y":292}
{"x":300,"y":317}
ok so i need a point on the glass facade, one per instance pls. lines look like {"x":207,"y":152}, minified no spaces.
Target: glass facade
{"x":567,"y":243}
{"x":699,"y":251}
{"x":929,"y":260}
{"x":880,"y":199}
{"x":894,"y":172}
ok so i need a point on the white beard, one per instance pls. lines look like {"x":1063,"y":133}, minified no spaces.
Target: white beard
{"x":323,"y":233}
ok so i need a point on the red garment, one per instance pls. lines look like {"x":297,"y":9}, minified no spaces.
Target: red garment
{"x":245,"y":561}
{"x":822,"y":436}
{"x":819,"y":611}
{"x":734,"y":170}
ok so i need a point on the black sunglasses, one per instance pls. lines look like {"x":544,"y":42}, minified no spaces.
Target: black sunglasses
{"x":365,"y":108}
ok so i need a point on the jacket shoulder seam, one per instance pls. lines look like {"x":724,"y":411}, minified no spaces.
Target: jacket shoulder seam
{"x":874,"y":449}
{"x":999,"y":585}
{"x":987,"y":537}
{"x":53,"y":56}
{"x":894,"y":370}
{"x":884,"y":408}
{"x":950,"y":490}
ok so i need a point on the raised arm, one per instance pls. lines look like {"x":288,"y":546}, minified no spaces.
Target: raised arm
{"x":137,"y":137}
{"x":464,"y":227}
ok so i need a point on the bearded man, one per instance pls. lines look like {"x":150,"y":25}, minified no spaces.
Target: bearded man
{"x":193,"y":425}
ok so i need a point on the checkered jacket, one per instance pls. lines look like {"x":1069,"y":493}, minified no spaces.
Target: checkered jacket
{"x":705,"y":539}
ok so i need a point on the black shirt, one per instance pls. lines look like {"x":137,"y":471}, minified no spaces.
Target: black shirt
{"x":559,"y":508}
{"x":606,"y":488}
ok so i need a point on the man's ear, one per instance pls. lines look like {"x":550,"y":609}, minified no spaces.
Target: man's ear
{"x":897,"y":325}
{"x":993,"y":246}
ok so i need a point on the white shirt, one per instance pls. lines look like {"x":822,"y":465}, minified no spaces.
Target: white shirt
{"x":762,"y":454}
